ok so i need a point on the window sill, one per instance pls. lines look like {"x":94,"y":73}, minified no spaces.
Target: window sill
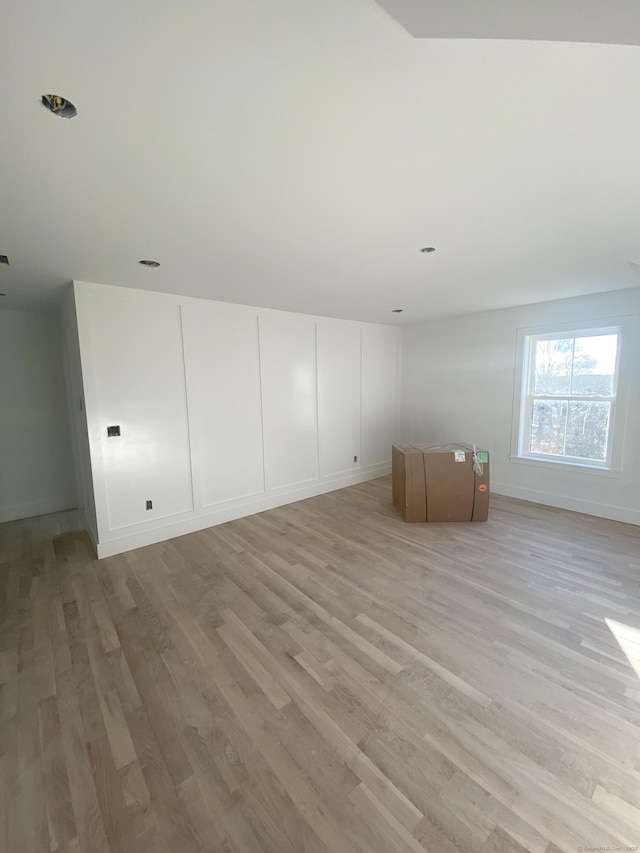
{"x":562,"y":465}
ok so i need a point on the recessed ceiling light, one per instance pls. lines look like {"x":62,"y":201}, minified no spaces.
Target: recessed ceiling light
{"x":427,"y":249}
{"x":149,"y":263}
{"x":4,"y":260}
{"x":58,"y":106}
{"x":397,"y":310}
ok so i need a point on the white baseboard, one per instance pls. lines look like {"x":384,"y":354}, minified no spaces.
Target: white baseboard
{"x":59,"y":503}
{"x":201,"y":520}
{"x":614,"y":513}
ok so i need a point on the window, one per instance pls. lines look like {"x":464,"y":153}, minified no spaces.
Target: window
{"x":569,"y":386}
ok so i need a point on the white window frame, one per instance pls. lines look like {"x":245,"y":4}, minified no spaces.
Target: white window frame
{"x":523,"y":396}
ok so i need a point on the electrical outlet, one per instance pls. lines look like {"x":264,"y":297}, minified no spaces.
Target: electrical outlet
{"x":149,"y":504}
{"x":113,"y":431}
{"x":355,"y":458}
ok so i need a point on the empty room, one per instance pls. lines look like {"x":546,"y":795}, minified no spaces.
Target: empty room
{"x":320,"y":426}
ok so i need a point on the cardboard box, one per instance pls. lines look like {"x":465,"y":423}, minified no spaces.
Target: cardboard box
{"x":436,"y":482}
{"x":408,"y":483}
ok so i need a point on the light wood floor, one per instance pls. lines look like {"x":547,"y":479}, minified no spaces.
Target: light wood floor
{"x":323,"y":677}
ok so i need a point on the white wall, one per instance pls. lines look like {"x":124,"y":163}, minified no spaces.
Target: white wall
{"x":76,"y":410}
{"x":458,"y":384}
{"x":380,"y":382}
{"x":224,"y":410}
{"x":36,"y":472}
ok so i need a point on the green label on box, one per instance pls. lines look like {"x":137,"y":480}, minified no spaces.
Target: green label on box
{"x":483,"y":457}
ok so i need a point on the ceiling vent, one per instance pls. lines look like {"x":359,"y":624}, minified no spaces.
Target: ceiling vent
{"x":4,"y":260}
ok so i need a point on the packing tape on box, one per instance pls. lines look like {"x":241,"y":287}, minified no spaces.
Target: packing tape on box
{"x":478,"y":467}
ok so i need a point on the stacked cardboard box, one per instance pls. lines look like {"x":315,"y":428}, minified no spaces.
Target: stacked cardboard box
{"x":437,"y":482}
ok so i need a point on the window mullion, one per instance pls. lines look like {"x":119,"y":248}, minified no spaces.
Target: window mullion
{"x":612,"y":405}
{"x":527,"y":398}
{"x":566,"y":425}
{"x":578,"y":398}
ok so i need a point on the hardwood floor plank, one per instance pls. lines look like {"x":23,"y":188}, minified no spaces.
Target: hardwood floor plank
{"x":86,"y":810}
{"x":62,"y":825}
{"x":137,"y":799}
{"x":271,"y":689}
{"x":174,"y":828}
{"x":115,"y":815}
{"x":449,"y":677}
{"x":383,"y":821}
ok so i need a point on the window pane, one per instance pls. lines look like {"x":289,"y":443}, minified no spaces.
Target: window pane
{"x":594,"y":365}
{"x":548,"y":424}
{"x":588,"y":429}
{"x":552,"y":368}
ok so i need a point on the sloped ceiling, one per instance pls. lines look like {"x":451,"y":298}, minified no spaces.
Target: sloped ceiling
{"x":598,"y":21}
{"x":297,"y":155}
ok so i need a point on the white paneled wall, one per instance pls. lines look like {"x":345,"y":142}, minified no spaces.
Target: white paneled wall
{"x":339,"y":397}
{"x":222,"y":362}
{"x":224,"y":410}
{"x":380,"y":391}
{"x":288,"y":363}
{"x":138,"y":371}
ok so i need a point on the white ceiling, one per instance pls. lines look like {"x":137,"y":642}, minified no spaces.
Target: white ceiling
{"x":296,"y":154}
